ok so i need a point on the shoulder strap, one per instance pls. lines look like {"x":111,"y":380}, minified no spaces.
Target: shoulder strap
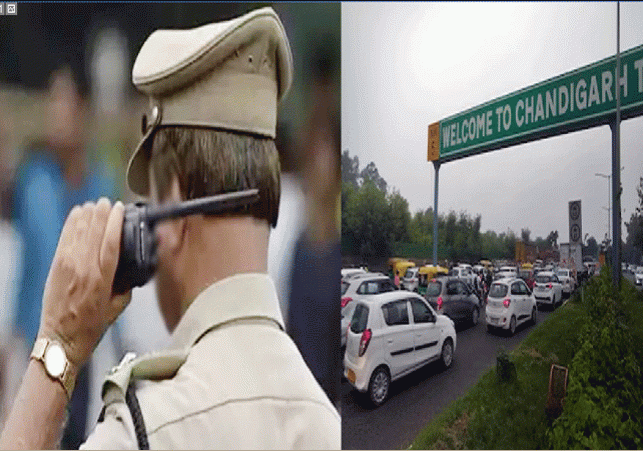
{"x":120,"y":384}
{"x":137,"y":416}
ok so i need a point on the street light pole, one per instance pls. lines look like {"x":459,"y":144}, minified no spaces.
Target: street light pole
{"x":609,"y":202}
{"x":609,"y":238}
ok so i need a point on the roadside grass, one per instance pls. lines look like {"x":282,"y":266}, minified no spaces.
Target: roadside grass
{"x":511,"y":415}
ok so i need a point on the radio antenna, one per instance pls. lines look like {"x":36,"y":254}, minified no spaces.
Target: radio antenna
{"x":204,"y":205}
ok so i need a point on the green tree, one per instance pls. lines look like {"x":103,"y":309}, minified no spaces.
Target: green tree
{"x":541,"y":243}
{"x":635,"y":225}
{"x":350,"y":169}
{"x":399,"y":216}
{"x":475,"y":241}
{"x":591,"y":249}
{"x":368,"y":222}
{"x":449,"y":235}
{"x":525,"y":236}
{"x":552,"y":239}
{"x":370,"y":172}
{"x":349,"y":204}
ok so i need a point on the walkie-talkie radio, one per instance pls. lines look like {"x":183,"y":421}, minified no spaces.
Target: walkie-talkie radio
{"x":137,"y":260}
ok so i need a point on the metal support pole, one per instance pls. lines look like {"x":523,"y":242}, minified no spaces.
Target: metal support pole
{"x":436,"y":165}
{"x":616,"y":164}
{"x":609,"y":209}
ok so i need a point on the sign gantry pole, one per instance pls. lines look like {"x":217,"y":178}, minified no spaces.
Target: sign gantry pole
{"x":433,"y":154}
{"x":616,"y":166}
{"x":436,"y":165}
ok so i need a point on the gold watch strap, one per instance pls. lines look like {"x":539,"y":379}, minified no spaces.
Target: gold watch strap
{"x":66,"y":379}
{"x":39,"y":347}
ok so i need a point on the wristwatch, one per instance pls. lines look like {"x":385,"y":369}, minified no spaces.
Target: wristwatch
{"x":53,"y":357}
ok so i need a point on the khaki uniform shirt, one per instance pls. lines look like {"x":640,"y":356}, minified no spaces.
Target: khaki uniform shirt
{"x":232,"y":378}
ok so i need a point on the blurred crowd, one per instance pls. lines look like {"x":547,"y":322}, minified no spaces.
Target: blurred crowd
{"x":67,"y":141}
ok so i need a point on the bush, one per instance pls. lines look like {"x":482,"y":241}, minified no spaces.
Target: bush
{"x":605,"y":394}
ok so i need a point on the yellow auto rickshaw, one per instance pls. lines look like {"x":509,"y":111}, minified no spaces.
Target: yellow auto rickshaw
{"x":427,"y":273}
{"x":392,"y":262}
{"x":396,"y":264}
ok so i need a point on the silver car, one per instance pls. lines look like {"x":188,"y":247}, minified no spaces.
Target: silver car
{"x":453,"y":297}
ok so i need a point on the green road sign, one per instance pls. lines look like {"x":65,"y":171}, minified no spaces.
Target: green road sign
{"x":576,"y":100}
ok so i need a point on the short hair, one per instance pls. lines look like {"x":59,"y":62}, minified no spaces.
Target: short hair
{"x":210,"y":161}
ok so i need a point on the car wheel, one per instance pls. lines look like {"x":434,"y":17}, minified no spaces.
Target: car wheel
{"x":378,"y":386}
{"x":534,"y":315}
{"x":447,"y":353}
{"x":475,"y":316}
{"x":512,"y":325}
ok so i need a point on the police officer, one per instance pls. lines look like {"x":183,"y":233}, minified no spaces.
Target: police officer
{"x":232,"y":378}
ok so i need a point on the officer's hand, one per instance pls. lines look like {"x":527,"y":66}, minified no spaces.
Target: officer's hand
{"x":78,"y":305}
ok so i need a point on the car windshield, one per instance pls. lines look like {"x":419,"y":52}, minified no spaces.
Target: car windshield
{"x":563,"y":273}
{"x":454,"y":273}
{"x":543,"y":279}
{"x":359,"y":319}
{"x":345,"y":286}
{"x":434,"y":288}
{"x":498,"y":290}
{"x":410,"y":273}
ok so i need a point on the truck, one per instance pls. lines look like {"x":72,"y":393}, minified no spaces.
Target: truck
{"x":571,"y":257}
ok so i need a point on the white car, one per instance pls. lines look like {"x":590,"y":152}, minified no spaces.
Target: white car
{"x":548,"y":289}
{"x":391,"y":335}
{"x":410,"y":280}
{"x":504,"y":275}
{"x":348,"y":273}
{"x":566,"y":280}
{"x":638,"y":276}
{"x":510,"y":303}
{"x":464,"y":272}
{"x":358,"y":287}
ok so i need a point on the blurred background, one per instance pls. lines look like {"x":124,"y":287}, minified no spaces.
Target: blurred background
{"x":69,"y":120}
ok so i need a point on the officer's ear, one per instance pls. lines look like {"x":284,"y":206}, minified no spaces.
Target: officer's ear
{"x":170,"y":233}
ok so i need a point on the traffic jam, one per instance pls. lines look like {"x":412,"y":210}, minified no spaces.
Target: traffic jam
{"x":392,"y":325}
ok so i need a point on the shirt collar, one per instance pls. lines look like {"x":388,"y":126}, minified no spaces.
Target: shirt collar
{"x":236,"y":297}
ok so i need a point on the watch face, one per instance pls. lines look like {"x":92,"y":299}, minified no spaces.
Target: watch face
{"x":55,"y":360}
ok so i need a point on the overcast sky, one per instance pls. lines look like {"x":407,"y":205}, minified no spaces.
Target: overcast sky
{"x":406,"y":65}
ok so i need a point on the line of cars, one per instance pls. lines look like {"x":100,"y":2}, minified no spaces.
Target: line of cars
{"x":388,"y":333}
{"x":637,"y":271}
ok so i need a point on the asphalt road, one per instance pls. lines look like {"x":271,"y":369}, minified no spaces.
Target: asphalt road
{"x":415,"y":399}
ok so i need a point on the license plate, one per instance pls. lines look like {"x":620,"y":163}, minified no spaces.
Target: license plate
{"x":350,"y":375}
{"x":493,"y":319}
